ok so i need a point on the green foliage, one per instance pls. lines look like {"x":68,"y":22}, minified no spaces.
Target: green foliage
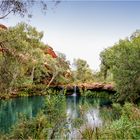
{"x":117,"y":110}
{"x":128,"y":126}
{"x":39,"y":90}
{"x":98,"y":94}
{"x":50,"y":123}
{"x":55,"y":114}
{"x":91,"y":134}
{"x":82,"y":73}
{"x":23,"y":61}
{"x":122,"y":60}
{"x":36,"y":128}
{"x":125,"y":126}
{"x":21,"y":54}
{"x":53,"y":105}
{"x":58,"y":69}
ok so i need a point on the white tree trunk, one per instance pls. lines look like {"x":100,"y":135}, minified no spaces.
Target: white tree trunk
{"x":53,"y":77}
{"x":32,"y":74}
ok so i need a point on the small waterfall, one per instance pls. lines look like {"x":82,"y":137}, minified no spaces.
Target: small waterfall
{"x":74,"y":100}
{"x":74,"y":93}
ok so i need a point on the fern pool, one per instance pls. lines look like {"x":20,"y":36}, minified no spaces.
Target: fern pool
{"x":94,"y":111}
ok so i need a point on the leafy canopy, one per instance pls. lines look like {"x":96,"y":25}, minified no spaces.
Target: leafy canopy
{"x":123,"y":61}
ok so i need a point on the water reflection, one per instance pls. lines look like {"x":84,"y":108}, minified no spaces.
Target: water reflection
{"x":10,"y":110}
{"x":93,"y":118}
{"x":91,"y":115}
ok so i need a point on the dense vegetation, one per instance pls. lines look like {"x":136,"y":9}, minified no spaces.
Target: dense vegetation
{"x":26,"y":64}
{"x":50,"y":123}
{"x":24,"y":61}
{"x":123,"y":61}
{"x":82,"y":72}
{"x":126,"y":125}
{"x":121,"y":122}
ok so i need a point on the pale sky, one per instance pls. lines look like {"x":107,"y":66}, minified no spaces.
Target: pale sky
{"x":82,"y":29}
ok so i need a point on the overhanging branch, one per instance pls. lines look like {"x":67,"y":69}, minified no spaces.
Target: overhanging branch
{"x":2,"y":17}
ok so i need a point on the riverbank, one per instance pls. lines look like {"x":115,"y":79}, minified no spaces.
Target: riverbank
{"x":82,"y":89}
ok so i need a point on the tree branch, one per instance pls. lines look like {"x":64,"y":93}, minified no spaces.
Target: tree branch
{"x":6,"y":14}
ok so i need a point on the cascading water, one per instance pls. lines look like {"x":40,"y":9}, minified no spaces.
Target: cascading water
{"x":74,"y":93}
{"x":74,"y":102}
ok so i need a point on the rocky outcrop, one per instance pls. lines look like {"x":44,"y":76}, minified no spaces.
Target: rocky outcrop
{"x":3,"y":27}
{"x":92,"y":86}
{"x":97,"y":86}
{"x":49,"y":50}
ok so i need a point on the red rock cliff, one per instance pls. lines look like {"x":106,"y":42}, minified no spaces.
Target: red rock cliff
{"x":2,"y":26}
{"x":50,"y":51}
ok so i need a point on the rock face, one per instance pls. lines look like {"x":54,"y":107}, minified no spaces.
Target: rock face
{"x":92,"y":86}
{"x":49,"y":50}
{"x":3,"y":27}
{"x":97,"y":86}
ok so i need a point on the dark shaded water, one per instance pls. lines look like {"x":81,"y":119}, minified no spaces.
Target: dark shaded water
{"x":11,"y":109}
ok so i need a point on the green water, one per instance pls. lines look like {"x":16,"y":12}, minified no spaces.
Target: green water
{"x":11,"y":109}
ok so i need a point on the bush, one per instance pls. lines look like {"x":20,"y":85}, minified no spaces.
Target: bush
{"x":50,"y":123}
{"x":35,"y":128}
{"x":126,"y":126}
{"x":98,"y":94}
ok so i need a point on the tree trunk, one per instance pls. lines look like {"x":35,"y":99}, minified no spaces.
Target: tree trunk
{"x":32,"y":74}
{"x":53,"y":77}
{"x":11,"y":86}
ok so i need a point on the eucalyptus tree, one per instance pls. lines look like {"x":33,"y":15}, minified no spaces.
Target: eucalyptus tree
{"x":82,"y":72}
{"x":123,"y":60}
{"x":58,"y":67}
{"x":21,"y":53}
{"x":107,"y":61}
{"x":64,"y":64}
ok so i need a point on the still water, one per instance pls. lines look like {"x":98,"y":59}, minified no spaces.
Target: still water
{"x":11,"y":109}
